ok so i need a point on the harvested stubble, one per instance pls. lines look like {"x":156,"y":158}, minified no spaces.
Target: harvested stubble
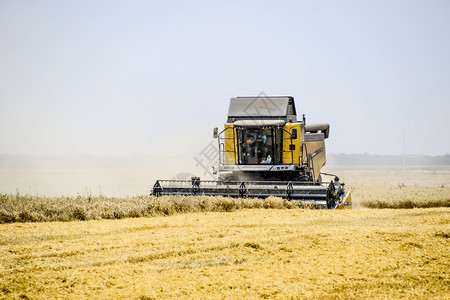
{"x":252,"y":253}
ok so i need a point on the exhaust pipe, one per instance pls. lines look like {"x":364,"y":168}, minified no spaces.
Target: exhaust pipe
{"x":320,"y":127}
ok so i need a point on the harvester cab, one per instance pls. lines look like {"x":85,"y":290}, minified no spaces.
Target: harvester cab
{"x":264,"y":150}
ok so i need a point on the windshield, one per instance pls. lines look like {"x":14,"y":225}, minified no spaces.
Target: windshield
{"x":259,"y":145}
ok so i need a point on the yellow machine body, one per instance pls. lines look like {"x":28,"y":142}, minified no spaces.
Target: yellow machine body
{"x":301,"y":150}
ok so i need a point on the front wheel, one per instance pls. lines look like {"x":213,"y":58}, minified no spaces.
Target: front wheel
{"x":331,"y":196}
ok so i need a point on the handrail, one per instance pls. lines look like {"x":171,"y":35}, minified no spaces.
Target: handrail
{"x":222,"y":150}
{"x":303,"y":145}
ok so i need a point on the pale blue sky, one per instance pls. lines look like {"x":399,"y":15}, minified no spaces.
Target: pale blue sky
{"x":143,"y":77}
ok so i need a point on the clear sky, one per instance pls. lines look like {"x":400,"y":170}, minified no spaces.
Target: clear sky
{"x":154,"y":77}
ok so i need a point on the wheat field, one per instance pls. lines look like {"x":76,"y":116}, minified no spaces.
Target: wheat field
{"x":143,"y":247}
{"x":248,"y":253}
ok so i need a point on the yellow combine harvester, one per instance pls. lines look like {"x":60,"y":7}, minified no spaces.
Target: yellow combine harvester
{"x":265,"y":151}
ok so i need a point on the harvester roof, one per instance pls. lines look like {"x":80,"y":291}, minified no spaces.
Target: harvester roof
{"x":262,"y":108}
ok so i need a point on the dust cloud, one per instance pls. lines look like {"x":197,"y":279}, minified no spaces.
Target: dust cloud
{"x":92,"y":175}
{"x":120,"y":176}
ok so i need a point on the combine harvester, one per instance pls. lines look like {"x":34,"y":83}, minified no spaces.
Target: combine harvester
{"x":265,"y":151}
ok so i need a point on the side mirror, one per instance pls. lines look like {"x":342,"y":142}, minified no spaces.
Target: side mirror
{"x":215,"y":132}
{"x":294,"y":133}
